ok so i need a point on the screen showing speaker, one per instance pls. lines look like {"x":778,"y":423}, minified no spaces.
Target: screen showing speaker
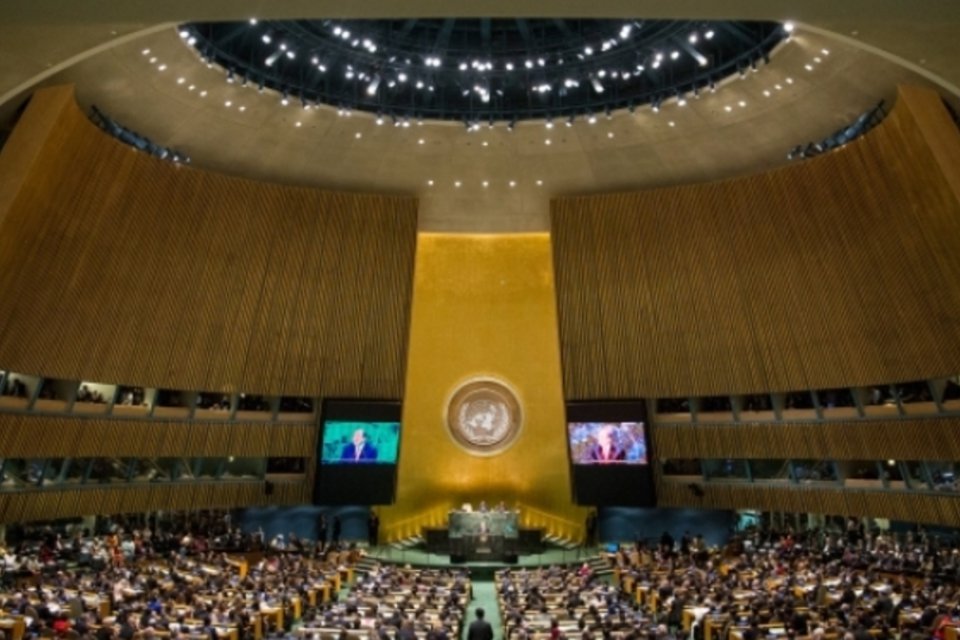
{"x":607,"y":443}
{"x":363,"y":442}
{"x":357,"y":450}
{"x":610,"y":453}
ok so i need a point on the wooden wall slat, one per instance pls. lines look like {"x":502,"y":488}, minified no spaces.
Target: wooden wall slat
{"x":837,"y":271}
{"x":84,"y":437}
{"x":119,"y":267}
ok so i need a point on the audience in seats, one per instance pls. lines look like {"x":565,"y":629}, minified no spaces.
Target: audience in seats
{"x":849,"y":585}
{"x":202,"y":577}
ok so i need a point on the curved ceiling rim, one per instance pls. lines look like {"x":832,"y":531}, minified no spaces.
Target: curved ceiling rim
{"x":856,"y":43}
{"x":33,"y":83}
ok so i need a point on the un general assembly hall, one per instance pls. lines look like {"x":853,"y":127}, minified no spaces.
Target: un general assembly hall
{"x":589,"y":320}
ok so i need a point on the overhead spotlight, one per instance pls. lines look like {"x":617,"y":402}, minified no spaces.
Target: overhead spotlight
{"x":625,"y":31}
{"x":272,"y":58}
{"x":184,"y":34}
{"x":508,"y":66}
{"x":253,"y":21}
{"x":709,"y":34}
{"x":788,"y":27}
{"x":588,"y":51}
{"x":592,"y":119}
{"x":528,"y":64}
{"x":597,"y":85}
{"x":681,"y":100}
{"x":463,"y":66}
{"x":541,"y":62}
{"x":266,"y":38}
{"x":693,"y":38}
{"x":374,"y":85}
{"x":674,"y":54}
{"x":548,"y":124}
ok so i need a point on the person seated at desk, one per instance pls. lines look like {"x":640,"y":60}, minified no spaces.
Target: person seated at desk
{"x":359,"y":450}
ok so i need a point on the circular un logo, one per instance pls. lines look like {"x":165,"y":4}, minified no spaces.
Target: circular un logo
{"x":484,"y":417}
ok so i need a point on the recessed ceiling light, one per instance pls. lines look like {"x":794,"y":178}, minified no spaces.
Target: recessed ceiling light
{"x":153,"y":60}
{"x":808,"y":67}
{"x":358,"y":135}
{"x":825,"y":52}
{"x":766,"y":93}
{"x":228,"y":104}
{"x":547,"y":141}
{"x":513,"y":183}
{"x":203,"y":94}
{"x":181,"y":80}
{"x":539,"y":183}
{"x":672,"y":123}
{"x":728,"y":108}
{"x":609,"y":134}
{"x":429,"y":183}
{"x":457,"y":184}
{"x":242,"y":108}
{"x":485,"y":143}
{"x":486,"y":183}
{"x":742,"y":103}
{"x":789,"y":80}
{"x":145,"y":52}
{"x":298,"y":124}
{"x":162,"y":67}
{"x":191,"y":87}
{"x":421,"y":141}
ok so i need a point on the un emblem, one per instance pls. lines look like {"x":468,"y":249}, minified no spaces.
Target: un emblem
{"x":483,"y":417}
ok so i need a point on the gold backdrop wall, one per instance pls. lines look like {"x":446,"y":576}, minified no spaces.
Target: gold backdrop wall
{"x":483,"y":306}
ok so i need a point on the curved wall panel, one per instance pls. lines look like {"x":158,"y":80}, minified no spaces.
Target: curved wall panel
{"x":119,"y":267}
{"x":843,"y":270}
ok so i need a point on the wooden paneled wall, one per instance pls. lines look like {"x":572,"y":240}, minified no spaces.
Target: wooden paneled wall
{"x":119,"y":267}
{"x":903,"y":506}
{"x":27,"y":506}
{"x":26,"y":436}
{"x":843,"y":270}
{"x":913,"y":439}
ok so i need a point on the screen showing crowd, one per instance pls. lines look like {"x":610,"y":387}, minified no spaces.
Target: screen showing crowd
{"x":352,"y":442}
{"x":607,"y":443}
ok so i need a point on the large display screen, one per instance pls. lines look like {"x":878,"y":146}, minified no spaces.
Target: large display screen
{"x":357,"y":452}
{"x":607,"y":443}
{"x":360,"y":442}
{"x":610,"y":453}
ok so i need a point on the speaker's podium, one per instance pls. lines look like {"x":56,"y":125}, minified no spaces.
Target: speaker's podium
{"x":478,"y":536}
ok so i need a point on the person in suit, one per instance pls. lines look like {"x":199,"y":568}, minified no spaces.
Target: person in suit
{"x":480,"y":629}
{"x":359,"y":450}
{"x":606,"y":449}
